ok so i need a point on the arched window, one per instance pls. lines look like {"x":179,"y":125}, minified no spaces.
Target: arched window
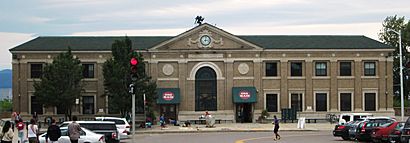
{"x":205,"y":90}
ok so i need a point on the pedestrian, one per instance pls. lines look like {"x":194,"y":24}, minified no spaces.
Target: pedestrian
{"x":162,"y":121}
{"x":6,"y":134}
{"x":20,"y":128}
{"x":32,"y":133}
{"x":74,"y":130}
{"x":276,"y":128}
{"x":53,"y":132}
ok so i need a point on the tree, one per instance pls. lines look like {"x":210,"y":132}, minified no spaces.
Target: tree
{"x":6,"y":105}
{"x":117,"y":79}
{"x":60,"y":84}
{"x":391,"y":38}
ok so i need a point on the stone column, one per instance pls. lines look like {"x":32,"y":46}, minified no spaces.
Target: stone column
{"x":309,"y":86}
{"x":358,"y":95}
{"x":284,"y":100}
{"x":334,"y":67}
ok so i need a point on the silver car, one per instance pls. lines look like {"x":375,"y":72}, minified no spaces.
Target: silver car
{"x":86,"y":136}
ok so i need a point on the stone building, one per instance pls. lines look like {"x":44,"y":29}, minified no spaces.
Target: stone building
{"x":234,"y":77}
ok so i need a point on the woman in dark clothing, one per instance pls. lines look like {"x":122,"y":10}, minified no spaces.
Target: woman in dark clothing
{"x":276,"y":128}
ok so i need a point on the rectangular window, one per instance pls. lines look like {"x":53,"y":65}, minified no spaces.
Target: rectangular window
{"x":370,"y":102}
{"x":272,"y":102}
{"x":321,"y":69}
{"x":345,"y":102}
{"x":36,"y":106}
{"x":88,"y":70}
{"x":321,"y":101}
{"x":345,"y":69}
{"x":369,"y":68}
{"x":296,"y":69}
{"x":88,"y":104}
{"x":271,"y":69}
{"x":36,"y":70}
{"x":296,"y":101}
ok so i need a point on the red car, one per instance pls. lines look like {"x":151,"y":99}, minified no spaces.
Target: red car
{"x":381,"y":134}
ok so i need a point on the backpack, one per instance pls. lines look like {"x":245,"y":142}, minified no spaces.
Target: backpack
{"x":20,"y":126}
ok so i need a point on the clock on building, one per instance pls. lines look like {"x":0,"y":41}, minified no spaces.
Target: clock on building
{"x":205,"y":40}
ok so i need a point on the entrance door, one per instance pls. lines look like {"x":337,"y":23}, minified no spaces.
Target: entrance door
{"x":244,"y":113}
{"x":169,"y":111}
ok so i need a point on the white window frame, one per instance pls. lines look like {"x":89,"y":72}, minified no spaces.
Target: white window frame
{"x":290,"y":99}
{"x":278,"y":100}
{"x":327,"y":100}
{"x":352,"y":100}
{"x":376,"y":98}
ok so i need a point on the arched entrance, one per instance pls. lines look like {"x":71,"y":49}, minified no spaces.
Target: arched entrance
{"x":205,"y":90}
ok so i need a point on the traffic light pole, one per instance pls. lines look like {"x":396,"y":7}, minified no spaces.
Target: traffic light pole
{"x":133,"y":117}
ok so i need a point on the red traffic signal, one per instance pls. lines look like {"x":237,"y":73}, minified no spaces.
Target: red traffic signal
{"x":134,"y":61}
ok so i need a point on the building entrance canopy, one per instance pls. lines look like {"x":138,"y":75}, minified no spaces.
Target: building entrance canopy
{"x":244,"y":94}
{"x":168,"y":96}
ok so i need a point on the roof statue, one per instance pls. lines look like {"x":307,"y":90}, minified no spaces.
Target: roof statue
{"x":199,"y":19}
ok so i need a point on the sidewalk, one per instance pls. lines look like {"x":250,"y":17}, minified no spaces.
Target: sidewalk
{"x":236,"y":127}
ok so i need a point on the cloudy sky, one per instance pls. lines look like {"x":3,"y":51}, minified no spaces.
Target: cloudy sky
{"x":23,"y":20}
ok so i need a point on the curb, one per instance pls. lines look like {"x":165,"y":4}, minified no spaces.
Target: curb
{"x":226,"y":130}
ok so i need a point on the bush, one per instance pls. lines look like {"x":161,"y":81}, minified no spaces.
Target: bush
{"x":6,"y":105}
{"x":397,"y":102}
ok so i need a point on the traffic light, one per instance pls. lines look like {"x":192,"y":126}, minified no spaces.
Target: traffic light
{"x":133,"y":63}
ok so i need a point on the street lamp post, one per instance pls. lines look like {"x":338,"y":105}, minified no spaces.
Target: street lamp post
{"x":401,"y":72}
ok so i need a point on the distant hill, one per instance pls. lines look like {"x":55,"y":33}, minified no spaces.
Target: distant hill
{"x":5,"y":78}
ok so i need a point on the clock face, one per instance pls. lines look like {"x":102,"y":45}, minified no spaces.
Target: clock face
{"x":205,"y":40}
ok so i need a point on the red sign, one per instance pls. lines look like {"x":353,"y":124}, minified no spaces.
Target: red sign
{"x":244,"y":94}
{"x":168,"y":96}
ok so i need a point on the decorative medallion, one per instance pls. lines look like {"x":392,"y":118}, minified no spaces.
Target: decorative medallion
{"x":168,"y":69}
{"x":243,"y":68}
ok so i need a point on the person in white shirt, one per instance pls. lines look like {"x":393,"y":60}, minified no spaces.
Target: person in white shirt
{"x":32,"y":132}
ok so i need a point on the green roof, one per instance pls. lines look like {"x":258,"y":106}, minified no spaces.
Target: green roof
{"x":87,"y":43}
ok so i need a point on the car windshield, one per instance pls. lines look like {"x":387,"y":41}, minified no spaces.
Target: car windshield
{"x":98,"y":126}
{"x":118,"y":122}
{"x":407,"y":125}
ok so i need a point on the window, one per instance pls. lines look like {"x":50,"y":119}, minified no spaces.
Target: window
{"x":296,"y":101}
{"x":36,"y":106}
{"x":88,"y":70}
{"x":271,"y":69}
{"x":345,"y":69}
{"x":321,"y":102}
{"x":88,"y":104}
{"x":272,"y":102}
{"x":36,"y":70}
{"x":345,"y":102}
{"x":370,"y":102}
{"x":296,"y":69}
{"x":369,"y":68}
{"x":321,"y":69}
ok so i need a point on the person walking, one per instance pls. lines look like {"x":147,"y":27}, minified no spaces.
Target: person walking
{"x":20,"y":128}
{"x":6,"y":134}
{"x":53,"y":132}
{"x":74,"y":130}
{"x":276,"y":128}
{"x":32,"y":132}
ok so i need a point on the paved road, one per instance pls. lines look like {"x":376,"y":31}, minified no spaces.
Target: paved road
{"x":239,"y":137}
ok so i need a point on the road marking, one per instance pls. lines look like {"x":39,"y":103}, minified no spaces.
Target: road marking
{"x":244,"y":140}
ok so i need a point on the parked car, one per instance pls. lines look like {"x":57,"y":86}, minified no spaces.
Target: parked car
{"x":107,"y":128}
{"x":381,"y":134}
{"x":364,"y":130}
{"x":395,"y":135}
{"x":347,"y":117}
{"x":405,"y":133}
{"x":121,"y":123}
{"x":343,"y":130}
{"x":86,"y":136}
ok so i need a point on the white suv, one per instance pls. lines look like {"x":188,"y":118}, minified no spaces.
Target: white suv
{"x":121,"y":123}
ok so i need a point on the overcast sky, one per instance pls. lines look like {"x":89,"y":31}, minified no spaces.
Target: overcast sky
{"x":23,"y":20}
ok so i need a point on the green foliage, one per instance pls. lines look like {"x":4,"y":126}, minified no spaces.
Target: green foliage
{"x":397,"y":102}
{"x":60,"y":83}
{"x":117,"y":79}
{"x":397,"y":23}
{"x":6,"y":105}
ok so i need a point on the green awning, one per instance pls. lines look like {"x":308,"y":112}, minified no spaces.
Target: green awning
{"x":244,"y":94}
{"x":168,"y":96}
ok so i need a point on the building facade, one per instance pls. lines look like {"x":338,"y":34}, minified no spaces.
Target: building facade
{"x":233,"y":77}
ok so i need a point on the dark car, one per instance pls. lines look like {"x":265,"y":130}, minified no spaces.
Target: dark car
{"x":365,"y":129}
{"x":405,"y":133}
{"x":343,"y":130}
{"x":395,"y":135}
{"x":108,"y":129}
{"x":381,"y":134}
